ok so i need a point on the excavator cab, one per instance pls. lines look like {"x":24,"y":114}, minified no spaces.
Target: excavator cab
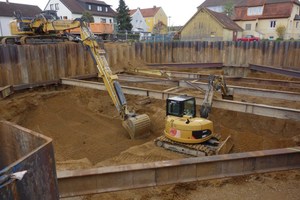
{"x":180,"y":106}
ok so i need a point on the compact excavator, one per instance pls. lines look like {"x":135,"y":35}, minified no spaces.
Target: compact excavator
{"x":47,"y":26}
{"x":185,"y":133}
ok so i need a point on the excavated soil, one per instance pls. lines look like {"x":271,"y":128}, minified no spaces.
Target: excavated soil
{"x":86,"y":130}
{"x":86,"y":133}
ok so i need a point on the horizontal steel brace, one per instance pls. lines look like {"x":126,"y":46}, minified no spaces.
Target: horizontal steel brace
{"x":292,"y":96}
{"x":291,"y":73}
{"x":257,"y":109}
{"x":116,"y":178}
{"x":199,"y":65}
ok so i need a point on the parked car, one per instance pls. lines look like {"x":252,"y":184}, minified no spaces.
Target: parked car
{"x":248,"y":38}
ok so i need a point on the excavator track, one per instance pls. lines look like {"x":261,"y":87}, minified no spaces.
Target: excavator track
{"x":197,"y":150}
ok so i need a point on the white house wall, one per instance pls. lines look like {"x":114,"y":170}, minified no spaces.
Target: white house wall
{"x":62,"y":11}
{"x":138,"y":22}
{"x":4,"y":26}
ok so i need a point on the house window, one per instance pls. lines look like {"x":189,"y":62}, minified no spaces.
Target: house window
{"x":297,"y":24}
{"x":90,"y":7}
{"x":110,"y":21}
{"x":99,"y":8}
{"x":103,"y":20}
{"x":65,"y":17}
{"x":255,"y":11}
{"x":56,"y":6}
{"x":248,"y":27}
{"x":51,"y":6}
{"x":106,"y":9}
{"x":273,"y":24}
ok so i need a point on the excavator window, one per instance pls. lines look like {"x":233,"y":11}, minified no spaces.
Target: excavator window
{"x":182,"y":105}
{"x":173,"y":108}
{"x":189,"y":108}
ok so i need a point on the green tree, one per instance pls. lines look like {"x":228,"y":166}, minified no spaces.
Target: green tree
{"x":87,"y":17}
{"x":229,"y":8}
{"x":123,"y":17}
{"x":280,"y":30}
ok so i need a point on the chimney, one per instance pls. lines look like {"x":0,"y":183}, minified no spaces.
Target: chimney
{"x":154,"y":7}
{"x":7,"y":1}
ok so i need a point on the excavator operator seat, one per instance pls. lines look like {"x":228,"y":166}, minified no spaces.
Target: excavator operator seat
{"x":181,"y":105}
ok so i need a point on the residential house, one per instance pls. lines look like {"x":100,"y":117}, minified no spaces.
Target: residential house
{"x":72,"y":9}
{"x":138,"y":21}
{"x":155,"y":17}
{"x":262,"y":17}
{"x":207,"y":25}
{"x":7,"y":14}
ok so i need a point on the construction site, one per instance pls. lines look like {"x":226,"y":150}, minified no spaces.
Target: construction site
{"x":62,"y":125}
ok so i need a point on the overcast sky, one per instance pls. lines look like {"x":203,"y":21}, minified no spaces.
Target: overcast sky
{"x":180,"y":11}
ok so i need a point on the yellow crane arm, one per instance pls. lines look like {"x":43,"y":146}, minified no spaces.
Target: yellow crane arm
{"x":110,"y":80}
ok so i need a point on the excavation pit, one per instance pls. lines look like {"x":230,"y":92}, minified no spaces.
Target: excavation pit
{"x":86,"y":130}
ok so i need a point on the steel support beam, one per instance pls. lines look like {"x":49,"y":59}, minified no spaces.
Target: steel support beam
{"x":194,"y":76}
{"x":187,"y":65}
{"x":292,"y":96}
{"x":257,"y":109}
{"x":291,"y":73}
{"x":275,"y":94}
{"x":116,"y":178}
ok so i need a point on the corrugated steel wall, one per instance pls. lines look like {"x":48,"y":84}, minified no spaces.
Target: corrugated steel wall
{"x":38,"y":63}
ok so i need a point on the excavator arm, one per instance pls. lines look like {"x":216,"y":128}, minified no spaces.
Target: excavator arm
{"x":136,"y":125}
{"x":215,"y":83}
{"x":47,"y":23}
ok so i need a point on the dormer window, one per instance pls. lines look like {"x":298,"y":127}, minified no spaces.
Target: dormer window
{"x":99,"y":8}
{"x":255,"y":11}
{"x":90,"y":7}
{"x":106,"y":9}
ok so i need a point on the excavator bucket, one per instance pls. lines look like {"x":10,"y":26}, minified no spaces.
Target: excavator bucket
{"x":137,"y":126}
{"x":225,"y":147}
{"x":228,"y":95}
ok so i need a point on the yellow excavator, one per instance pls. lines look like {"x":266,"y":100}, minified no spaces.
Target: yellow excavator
{"x":185,"y":133}
{"x":47,"y":26}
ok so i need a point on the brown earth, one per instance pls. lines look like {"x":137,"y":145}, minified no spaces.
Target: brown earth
{"x":86,"y":132}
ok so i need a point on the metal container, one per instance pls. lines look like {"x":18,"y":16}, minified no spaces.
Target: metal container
{"x":22,"y":150}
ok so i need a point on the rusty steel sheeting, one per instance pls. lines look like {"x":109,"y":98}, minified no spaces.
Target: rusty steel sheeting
{"x":6,"y":91}
{"x":192,"y":65}
{"x":257,"y":109}
{"x":262,"y":68}
{"x":22,"y":149}
{"x":116,"y":178}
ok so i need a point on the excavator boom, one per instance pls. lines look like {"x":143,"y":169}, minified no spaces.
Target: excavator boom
{"x":136,"y":125}
{"x":48,"y":24}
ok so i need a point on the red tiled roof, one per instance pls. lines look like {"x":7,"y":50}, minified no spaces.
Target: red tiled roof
{"x":77,"y":6}
{"x":251,"y":3}
{"x":224,"y":20}
{"x":131,"y":12}
{"x":209,"y":3}
{"x":150,"y":12}
{"x":7,"y":9}
{"x":282,"y":10}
